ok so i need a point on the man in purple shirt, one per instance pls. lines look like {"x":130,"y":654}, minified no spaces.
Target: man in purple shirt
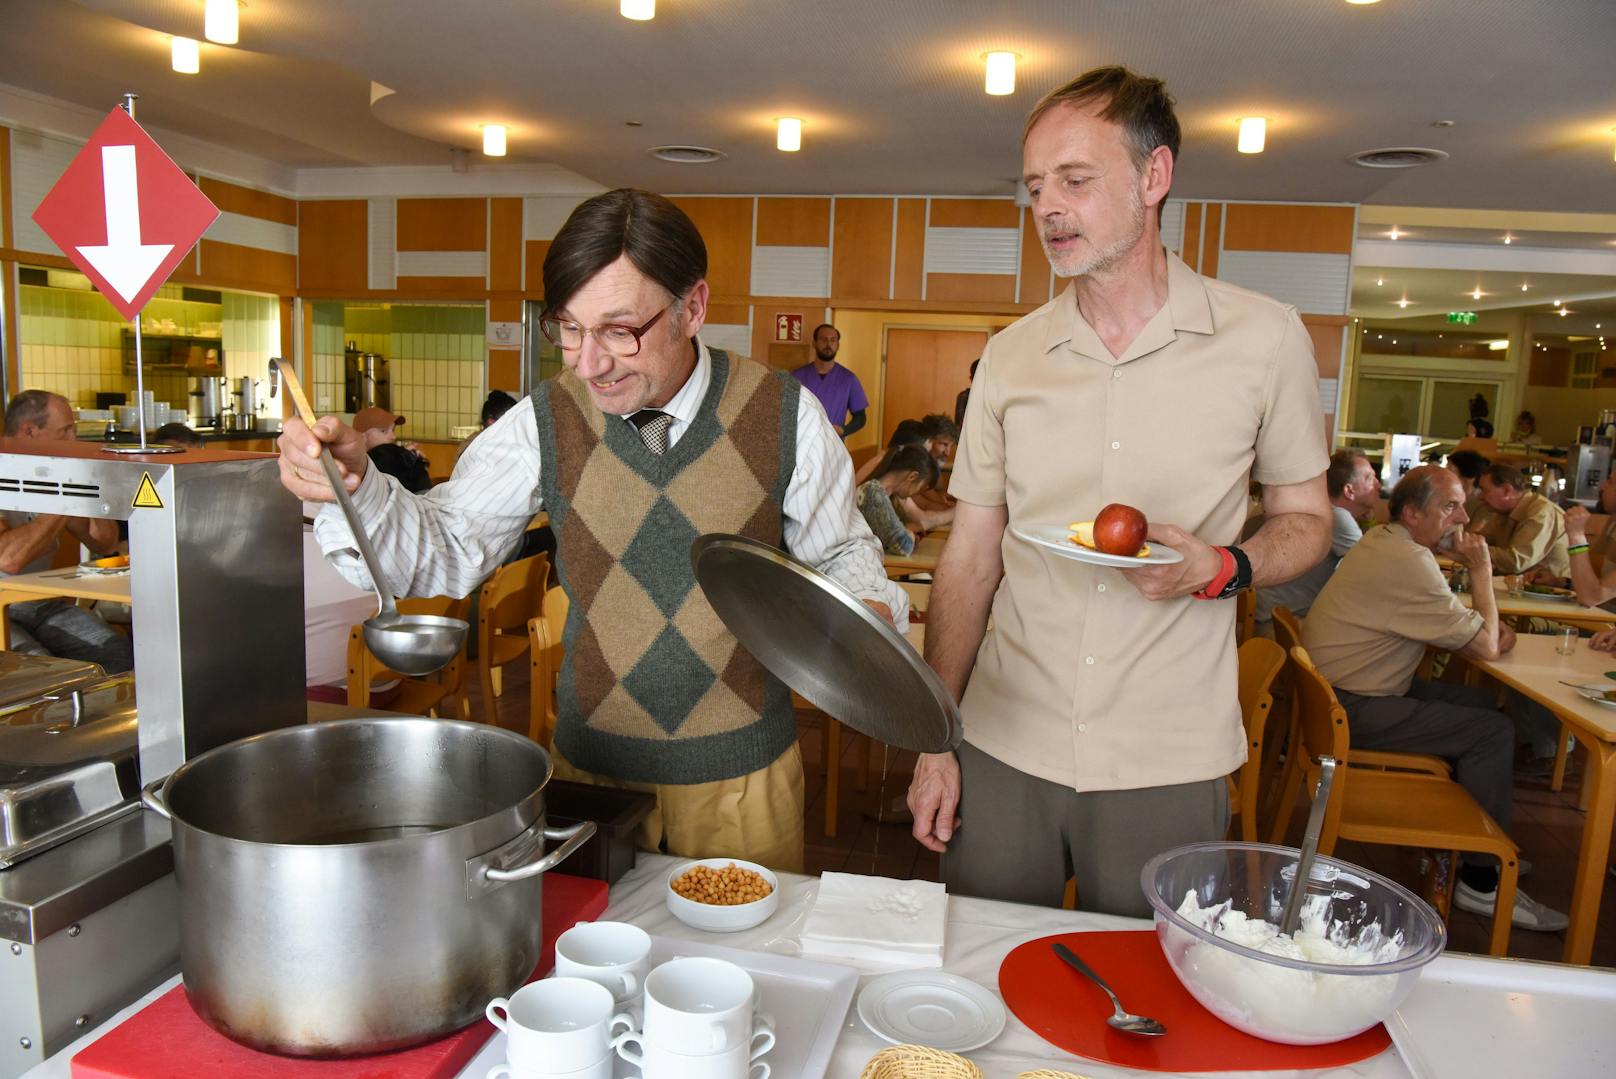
{"x":837,"y":388}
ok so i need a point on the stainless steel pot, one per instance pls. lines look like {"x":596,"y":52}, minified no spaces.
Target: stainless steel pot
{"x":362,"y":885}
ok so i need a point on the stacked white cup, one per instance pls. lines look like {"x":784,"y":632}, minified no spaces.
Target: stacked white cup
{"x":559,"y":1028}
{"x":701,"y":1022}
{"x":614,"y":955}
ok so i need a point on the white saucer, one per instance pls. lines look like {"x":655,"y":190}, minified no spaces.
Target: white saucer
{"x":1596,"y":692}
{"x":931,"y":1008}
{"x":1054,"y":538}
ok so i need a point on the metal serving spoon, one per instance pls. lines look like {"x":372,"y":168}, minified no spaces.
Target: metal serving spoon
{"x":1123,"y":1019}
{"x":1310,"y":848}
{"x":412,"y":644}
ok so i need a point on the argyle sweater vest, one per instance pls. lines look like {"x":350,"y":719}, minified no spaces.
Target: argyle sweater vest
{"x":654,"y":689}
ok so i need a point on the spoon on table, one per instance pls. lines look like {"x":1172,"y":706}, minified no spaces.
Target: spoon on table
{"x":411,"y":644}
{"x":1310,"y":848}
{"x":1123,"y":1019}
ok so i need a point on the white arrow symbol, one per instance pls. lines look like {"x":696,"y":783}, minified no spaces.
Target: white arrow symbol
{"x":125,"y":262}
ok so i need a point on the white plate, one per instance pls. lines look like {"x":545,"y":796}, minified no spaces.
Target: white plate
{"x":1548,"y":597}
{"x":1054,"y":538}
{"x":932,"y":1008}
{"x":1596,"y":692}
{"x":105,"y":571}
{"x":1471,"y":1016}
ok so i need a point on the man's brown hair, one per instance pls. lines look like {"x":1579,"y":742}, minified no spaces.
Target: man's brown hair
{"x":1506,"y":476}
{"x":1139,"y":103}
{"x":1343,"y":463}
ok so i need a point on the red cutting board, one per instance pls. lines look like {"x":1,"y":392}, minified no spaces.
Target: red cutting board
{"x":1066,"y":1009}
{"x":167,"y":1038}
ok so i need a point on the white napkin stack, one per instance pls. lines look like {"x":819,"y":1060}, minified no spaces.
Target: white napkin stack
{"x":895,"y":922}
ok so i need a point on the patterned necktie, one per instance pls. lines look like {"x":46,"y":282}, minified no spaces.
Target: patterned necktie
{"x":653,"y":426}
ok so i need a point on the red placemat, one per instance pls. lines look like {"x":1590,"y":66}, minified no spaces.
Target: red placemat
{"x":167,"y":1038}
{"x":1067,"y":1010}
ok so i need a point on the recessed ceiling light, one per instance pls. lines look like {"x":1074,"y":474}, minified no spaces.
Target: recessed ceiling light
{"x":1394,"y":234}
{"x":1379,"y":281}
{"x":494,"y":139}
{"x":789,"y":135}
{"x":1557,"y":303}
{"x":221,"y":22}
{"x":1001,"y":73}
{"x":1508,"y":239}
{"x":1564,"y":311}
{"x":1253,"y":134}
{"x":1363,"y":3}
{"x":638,"y":10}
{"x":185,"y":55}
{"x":1477,"y":293}
{"x":1523,"y":286}
{"x":1404,"y":302}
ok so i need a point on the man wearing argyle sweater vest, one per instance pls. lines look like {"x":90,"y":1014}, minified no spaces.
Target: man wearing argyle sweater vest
{"x":647,"y":440}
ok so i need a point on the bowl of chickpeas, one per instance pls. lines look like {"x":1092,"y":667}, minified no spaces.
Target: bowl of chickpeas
{"x":722,"y":895}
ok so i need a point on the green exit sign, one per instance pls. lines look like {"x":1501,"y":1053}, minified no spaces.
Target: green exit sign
{"x":1462,"y":318}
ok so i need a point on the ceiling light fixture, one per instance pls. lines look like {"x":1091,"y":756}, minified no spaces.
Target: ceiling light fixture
{"x":1564,"y":311}
{"x":638,"y":10}
{"x":1362,"y":3}
{"x":221,"y":22}
{"x":1253,"y":134}
{"x":185,"y":55}
{"x":1001,"y":73}
{"x":494,"y":139}
{"x":1379,"y":281}
{"x":1497,"y":346}
{"x":1394,"y":234}
{"x":789,"y":135}
{"x":1404,"y":302}
{"x":1508,"y":239}
{"x":1557,"y":303}
{"x":1523,"y":286}
{"x":1477,"y":293}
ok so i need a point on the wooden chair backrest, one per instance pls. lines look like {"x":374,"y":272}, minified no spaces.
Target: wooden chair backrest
{"x":1323,"y":720}
{"x":1260,"y":662}
{"x":1245,"y":615}
{"x":365,"y":670}
{"x":512,"y":595}
{"x":1287,"y":629}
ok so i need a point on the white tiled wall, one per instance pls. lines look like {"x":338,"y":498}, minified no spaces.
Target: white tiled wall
{"x":436,"y":359}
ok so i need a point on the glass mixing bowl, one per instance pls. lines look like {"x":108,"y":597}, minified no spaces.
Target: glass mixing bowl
{"x":1293,"y":998}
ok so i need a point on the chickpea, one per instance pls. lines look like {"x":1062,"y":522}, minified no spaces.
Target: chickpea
{"x":725,"y":887}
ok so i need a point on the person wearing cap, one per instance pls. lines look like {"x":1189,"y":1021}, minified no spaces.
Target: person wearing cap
{"x":647,"y":439}
{"x":401,"y":460}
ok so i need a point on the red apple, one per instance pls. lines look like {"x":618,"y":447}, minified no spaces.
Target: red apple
{"x":1120,"y":529}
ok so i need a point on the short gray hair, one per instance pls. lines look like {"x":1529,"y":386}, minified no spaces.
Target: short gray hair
{"x":30,"y":406}
{"x":1417,"y":490}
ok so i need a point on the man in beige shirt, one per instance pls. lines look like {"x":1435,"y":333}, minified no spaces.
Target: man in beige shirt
{"x":1524,"y":530}
{"x":1101,"y":713}
{"x":1368,"y":631}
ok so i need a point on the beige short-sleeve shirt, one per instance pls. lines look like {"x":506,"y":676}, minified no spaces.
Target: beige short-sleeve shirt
{"x":1386,"y":601}
{"x":1530,"y":536}
{"x":1082,"y":681}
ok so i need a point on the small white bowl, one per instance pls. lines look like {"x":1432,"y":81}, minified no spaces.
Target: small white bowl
{"x":721,"y":919}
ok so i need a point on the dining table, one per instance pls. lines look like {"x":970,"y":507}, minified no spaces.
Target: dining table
{"x":64,"y":582}
{"x":1536,"y":668}
{"x":980,"y":933}
{"x":1530,"y":605}
{"x":923,"y":559}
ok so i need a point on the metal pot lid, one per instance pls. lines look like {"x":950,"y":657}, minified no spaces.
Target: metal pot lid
{"x":826,"y":644}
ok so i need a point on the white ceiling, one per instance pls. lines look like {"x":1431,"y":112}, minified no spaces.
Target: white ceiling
{"x":1436,"y":292}
{"x":891,"y":91}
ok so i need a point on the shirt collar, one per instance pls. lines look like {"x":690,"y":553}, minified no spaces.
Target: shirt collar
{"x":687,"y":402}
{"x":1187,"y":309}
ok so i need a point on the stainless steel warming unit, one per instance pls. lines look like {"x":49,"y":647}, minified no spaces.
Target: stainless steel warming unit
{"x":87,"y":893}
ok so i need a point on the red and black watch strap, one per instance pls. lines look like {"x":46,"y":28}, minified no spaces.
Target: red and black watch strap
{"x":1233,"y":576}
{"x":1226,"y":571}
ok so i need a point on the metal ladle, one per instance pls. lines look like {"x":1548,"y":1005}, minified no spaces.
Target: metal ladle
{"x":411,"y":644}
{"x":1310,"y":848}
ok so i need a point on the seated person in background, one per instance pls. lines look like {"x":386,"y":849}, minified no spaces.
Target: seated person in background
{"x":1594,"y":589}
{"x":1354,"y":488}
{"x":903,"y":472}
{"x":1479,"y":427}
{"x":28,"y":541}
{"x":907,"y":433}
{"x":401,"y":460}
{"x":1526,"y":430}
{"x":1367,"y":632}
{"x":933,"y":508}
{"x":177,"y":434}
{"x":497,"y":403}
{"x":1524,"y":530}
{"x":942,"y":435}
{"x":1468,"y":465}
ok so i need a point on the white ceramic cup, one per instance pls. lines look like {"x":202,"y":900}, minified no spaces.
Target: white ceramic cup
{"x":697,"y":1006}
{"x":558,"y":1025}
{"x":612,"y":954}
{"x":656,"y":1062}
{"x":601,"y":1069}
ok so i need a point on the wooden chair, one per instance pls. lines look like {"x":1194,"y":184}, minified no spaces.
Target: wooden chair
{"x":545,"y":651}
{"x":440,"y":694}
{"x":1284,"y":792}
{"x":919,"y":593}
{"x":1401,"y":809}
{"x":1261,"y":660}
{"x":507,"y":600}
{"x":1245,"y":616}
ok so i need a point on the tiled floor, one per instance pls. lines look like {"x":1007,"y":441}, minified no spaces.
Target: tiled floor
{"x":1548,"y":827}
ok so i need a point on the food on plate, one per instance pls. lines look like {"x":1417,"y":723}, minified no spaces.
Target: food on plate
{"x":1118,"y":530}
{"x":117,"y":561}
{"x":729,"y":886}
{"x":1547,"y":590}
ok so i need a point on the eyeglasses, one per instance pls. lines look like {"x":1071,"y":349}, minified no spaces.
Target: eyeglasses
{"x":614,"y":337}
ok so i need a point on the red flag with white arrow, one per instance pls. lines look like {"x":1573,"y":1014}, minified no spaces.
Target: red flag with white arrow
{"x":124,"y":213}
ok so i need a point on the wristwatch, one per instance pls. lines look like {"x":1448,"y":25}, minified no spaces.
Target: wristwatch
{"x":1233,"y":576}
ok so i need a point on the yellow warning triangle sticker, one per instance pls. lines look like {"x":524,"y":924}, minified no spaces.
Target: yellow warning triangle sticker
{"x":146,"y":494}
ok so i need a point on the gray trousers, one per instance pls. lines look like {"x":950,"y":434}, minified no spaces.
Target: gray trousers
{"x":1459,"y":723}
{"x":57,"y":627}
{"x":1021,"y":837}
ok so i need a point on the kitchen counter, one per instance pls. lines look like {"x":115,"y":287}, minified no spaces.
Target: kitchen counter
{"x":211,"y":436}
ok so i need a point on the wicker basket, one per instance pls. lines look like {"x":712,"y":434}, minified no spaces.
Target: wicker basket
{"x":918,"y":1062}
{"x":1047,"y":1073}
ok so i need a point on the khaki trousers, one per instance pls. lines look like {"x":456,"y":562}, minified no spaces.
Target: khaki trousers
{"x":757,"y":817}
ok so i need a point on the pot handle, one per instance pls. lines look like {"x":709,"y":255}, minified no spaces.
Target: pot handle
{"x":501,"y":866}
{"x":152,"y":796}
